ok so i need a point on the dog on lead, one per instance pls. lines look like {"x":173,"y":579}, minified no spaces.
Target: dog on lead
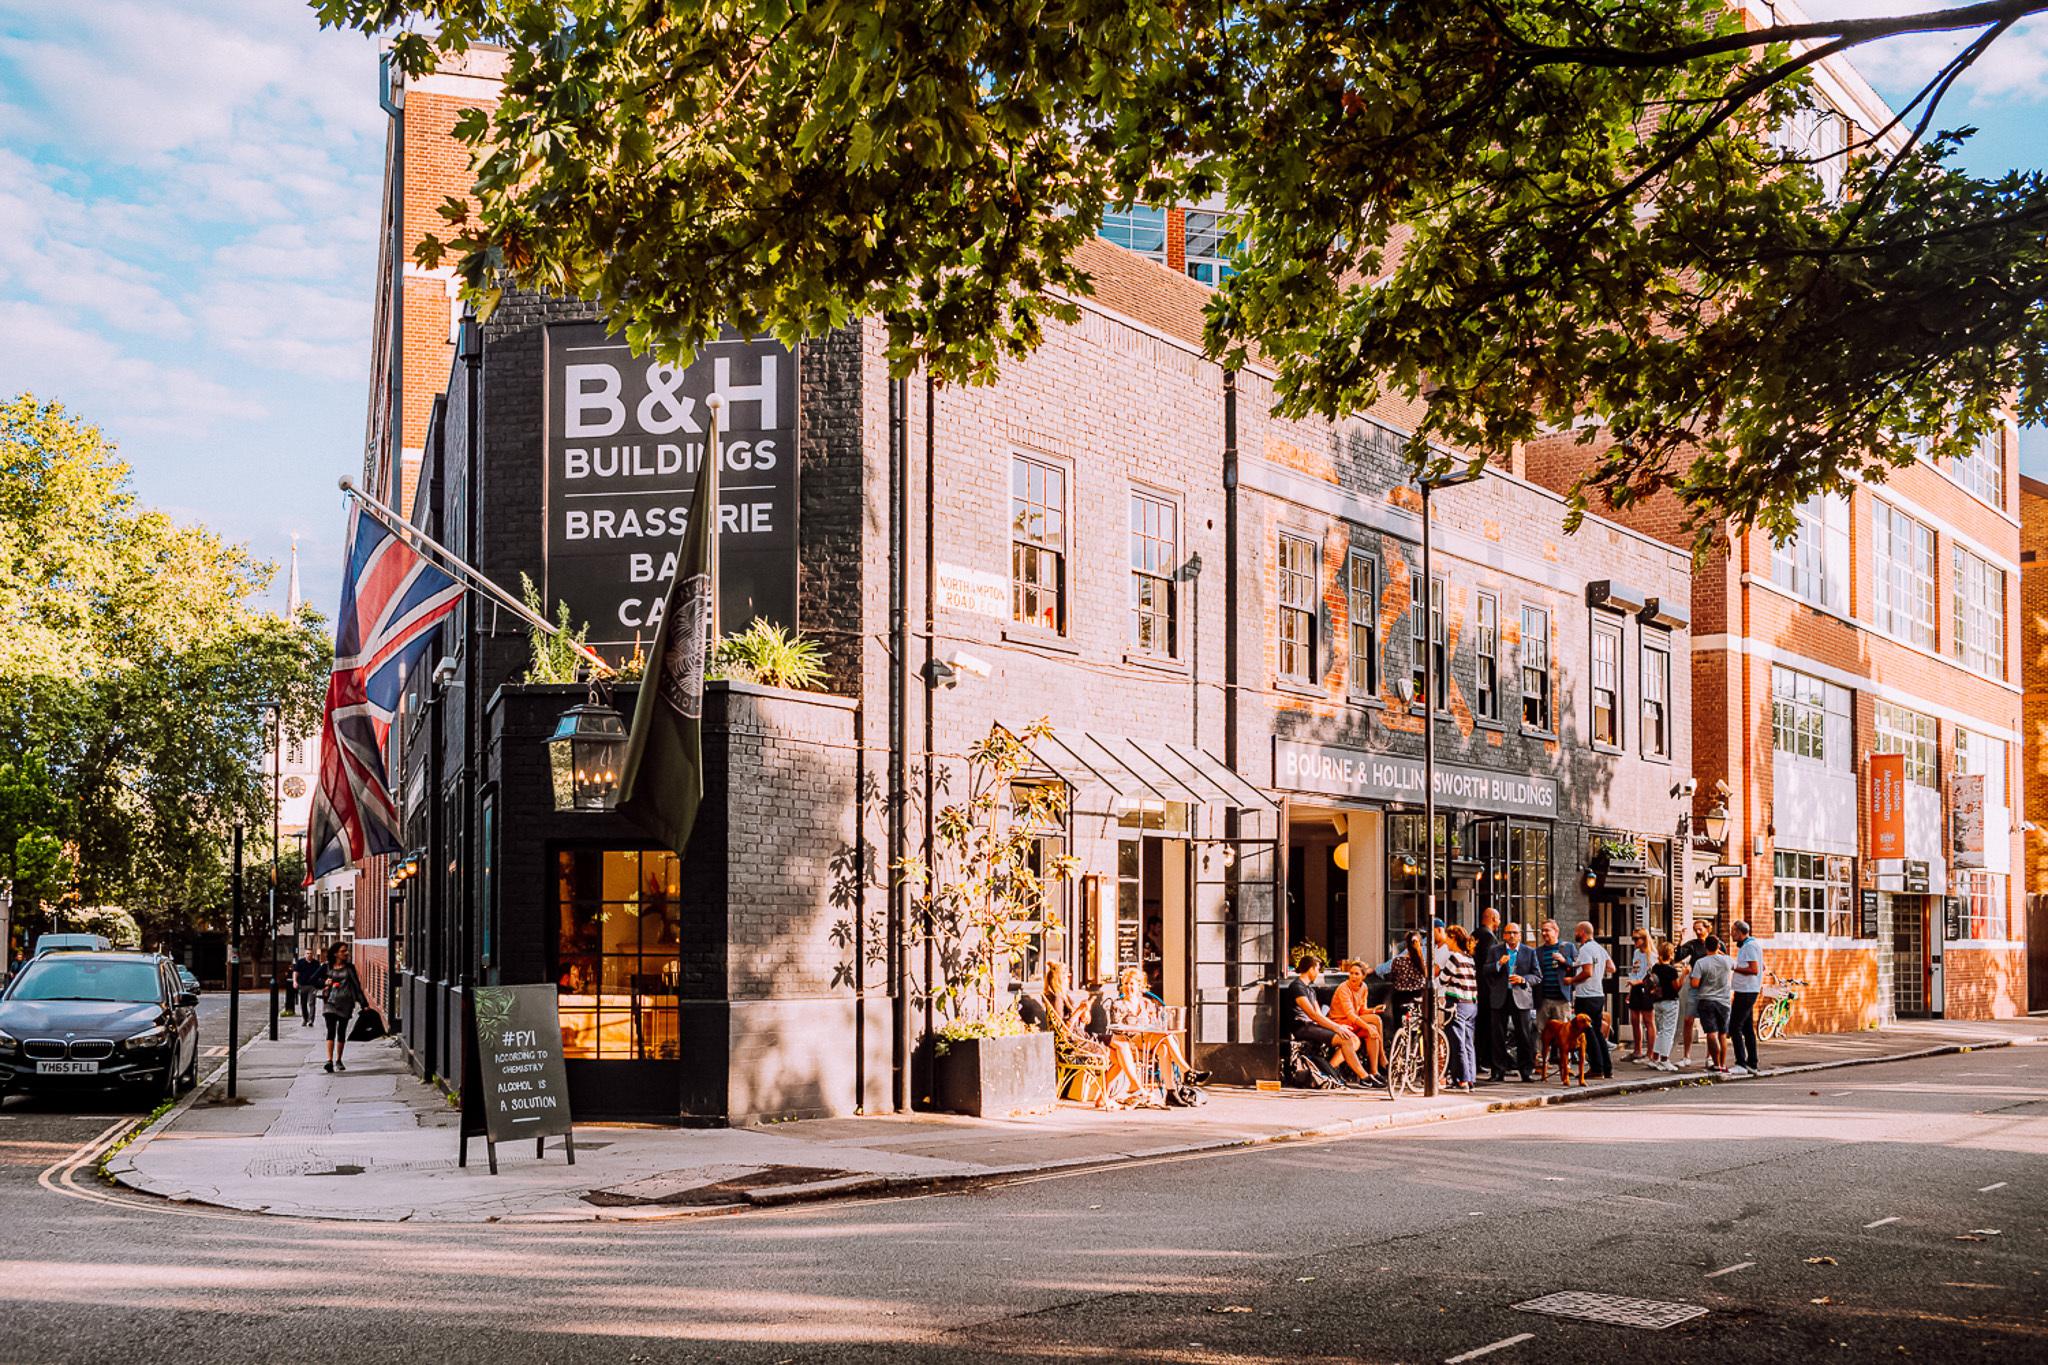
{"x":1566,"y":1041}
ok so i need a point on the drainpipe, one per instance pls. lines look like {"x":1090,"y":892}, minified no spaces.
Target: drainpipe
{"x":471,"y":345}
{"x":1230,"y":574}
{"x":931,"y":677}
{"x":391,"y":99}
{"x":899,"y":778}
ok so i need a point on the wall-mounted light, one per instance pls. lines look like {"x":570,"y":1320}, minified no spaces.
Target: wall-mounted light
{"x":1589,"y":879}
{"x":1717,"y":823}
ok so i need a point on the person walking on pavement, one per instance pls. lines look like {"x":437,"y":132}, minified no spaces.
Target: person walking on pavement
{"x":341,"y":994}
{"x":1517,"y":978}
{"x":1749,"y":983}
{"x":310,"y":976}
{"x":1687,"y":955}
{"x":1590,"y":967}
{"x":1485,"y":948}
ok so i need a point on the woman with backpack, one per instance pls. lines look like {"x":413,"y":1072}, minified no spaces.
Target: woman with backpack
{"x":340,"y":998}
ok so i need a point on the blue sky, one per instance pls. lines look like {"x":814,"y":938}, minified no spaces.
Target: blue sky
{"x":188,"y":203}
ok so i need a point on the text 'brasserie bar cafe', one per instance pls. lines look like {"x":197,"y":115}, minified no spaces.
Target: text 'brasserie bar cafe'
{"x":1220,"y":614}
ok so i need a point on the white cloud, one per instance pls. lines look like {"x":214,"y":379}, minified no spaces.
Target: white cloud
{"x":45,"y":354}
{"x":2014,"y":70}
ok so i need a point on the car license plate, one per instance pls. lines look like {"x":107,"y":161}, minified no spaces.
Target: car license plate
{"x":67,"y":1068}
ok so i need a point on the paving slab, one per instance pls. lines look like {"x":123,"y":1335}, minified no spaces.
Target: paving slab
{"x":376,"y":1143}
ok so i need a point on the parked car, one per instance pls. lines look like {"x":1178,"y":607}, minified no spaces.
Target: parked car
{"x":73,"y":943}
{"x":99,"y":1019}
{"x":186,"y":979}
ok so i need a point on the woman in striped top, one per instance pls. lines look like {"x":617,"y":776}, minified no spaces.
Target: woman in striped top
{"x":1461,"y":996}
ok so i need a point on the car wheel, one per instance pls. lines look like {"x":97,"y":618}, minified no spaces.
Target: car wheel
{"x":191,"y":1077}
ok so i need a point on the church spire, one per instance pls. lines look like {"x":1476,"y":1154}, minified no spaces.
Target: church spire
{"x":291,"y":592}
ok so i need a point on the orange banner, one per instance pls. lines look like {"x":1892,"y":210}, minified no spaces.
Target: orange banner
{"x":1887,"y":805}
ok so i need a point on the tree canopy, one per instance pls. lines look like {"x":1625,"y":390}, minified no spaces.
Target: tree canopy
{"x":133,"y":662}
{"x":1520,"y":213}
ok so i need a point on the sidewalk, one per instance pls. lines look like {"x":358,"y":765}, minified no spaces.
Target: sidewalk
{"x":376,"y":1143}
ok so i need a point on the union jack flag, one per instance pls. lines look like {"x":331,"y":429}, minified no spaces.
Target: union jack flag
{"x":392,"y":604}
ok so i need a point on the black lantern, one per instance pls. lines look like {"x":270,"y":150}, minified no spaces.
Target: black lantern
{"x":585,"y":755}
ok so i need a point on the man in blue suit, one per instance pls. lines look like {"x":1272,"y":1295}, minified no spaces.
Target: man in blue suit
{"x":1512,"y":988}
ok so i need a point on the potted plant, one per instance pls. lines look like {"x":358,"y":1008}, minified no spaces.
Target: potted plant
{"x":1623,"y":853}
{"x":983,"y":906}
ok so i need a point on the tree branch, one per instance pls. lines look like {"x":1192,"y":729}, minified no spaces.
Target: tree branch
{"x":1845,"y":32}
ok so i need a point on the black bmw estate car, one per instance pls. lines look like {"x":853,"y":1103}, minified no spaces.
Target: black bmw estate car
{"x":109,"y":1019}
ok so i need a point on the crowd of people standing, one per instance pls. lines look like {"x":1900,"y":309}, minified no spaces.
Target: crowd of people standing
{"x":1498,"y":991}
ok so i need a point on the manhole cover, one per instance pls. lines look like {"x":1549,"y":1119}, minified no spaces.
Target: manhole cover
{"x":1614,"y":1310}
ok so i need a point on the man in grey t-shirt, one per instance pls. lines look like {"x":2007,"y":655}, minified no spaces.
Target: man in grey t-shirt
{"x":1713,"y":987}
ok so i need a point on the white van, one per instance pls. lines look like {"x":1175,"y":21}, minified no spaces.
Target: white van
{"x":73,"y":943}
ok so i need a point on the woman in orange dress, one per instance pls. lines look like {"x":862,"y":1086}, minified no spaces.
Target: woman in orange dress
{"x":1348,"y":1008}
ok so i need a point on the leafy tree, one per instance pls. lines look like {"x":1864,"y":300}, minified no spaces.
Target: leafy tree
{"x":133,"y":665}
{"x":1515,"y":212}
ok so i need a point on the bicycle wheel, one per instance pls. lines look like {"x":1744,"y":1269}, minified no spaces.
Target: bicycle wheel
{"x":1772,"y":1026}
{"x":1404,"y":1066}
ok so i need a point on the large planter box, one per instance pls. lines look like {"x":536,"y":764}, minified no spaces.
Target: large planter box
{"x":996,"y":1077}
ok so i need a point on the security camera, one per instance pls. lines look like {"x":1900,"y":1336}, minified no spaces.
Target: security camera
{"x":444,"y":671}
{"x":971,"y":666}
{"x":1685,"y":789}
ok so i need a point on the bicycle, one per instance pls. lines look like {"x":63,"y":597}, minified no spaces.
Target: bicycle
{"x":1777,"y":1013}
{"x":1404,"y":1054}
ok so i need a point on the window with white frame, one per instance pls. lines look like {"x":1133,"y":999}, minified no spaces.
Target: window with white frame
{"x":1300,"y":562}
{"x":1809,"y":718}
{"x":1211,"y":242}
{"x":1985,"y":755}
{"x":1138,"y":227}
{"x":1429,"y":660}
{"x":1979,"y":630}
{"x":1486,"y":621}
{"x":1982,"y":471}
{"x":1038,"y":544}
{"x":1902,"y":731}
{"x":1362,"y":602}
{"x":1606,"y":673}
{"x":1902,"y":557}
{"x":1155,"y":526}
{"x":1536,"y":708}
{"x":1984,"y":902}
{"x":1814,"y":563}
{"x":1818,"y":140}
{"x":1656,"y":697}
{"x":1812,"y":893}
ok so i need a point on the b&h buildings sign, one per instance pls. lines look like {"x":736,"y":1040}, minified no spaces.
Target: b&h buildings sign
{"x":625,"y":435}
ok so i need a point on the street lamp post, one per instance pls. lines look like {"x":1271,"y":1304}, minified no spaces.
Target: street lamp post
{"x":276,"y":839}
{"x":235,"y":967}
{"x":1429,"y":484}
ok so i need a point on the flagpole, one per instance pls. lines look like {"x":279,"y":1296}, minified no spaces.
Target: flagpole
{"x":714,"y":452}
{"x":474,"y":580}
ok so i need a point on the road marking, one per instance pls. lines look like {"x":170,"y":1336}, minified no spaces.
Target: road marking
{"x":1500,"y":1345}
{"x":1986,"y":1189}
{"x":1882,"y":1221}
{"x":1729,"y":1269}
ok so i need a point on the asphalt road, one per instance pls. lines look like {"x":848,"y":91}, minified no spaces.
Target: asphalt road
{"x":1890,"y":1212}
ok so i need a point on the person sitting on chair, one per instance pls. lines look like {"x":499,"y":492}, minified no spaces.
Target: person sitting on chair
{"x":1067,"y":1016}
{"x":1130,"y":1006}
{"x":1348,"y":1009}
{"x":1311,"y":1027}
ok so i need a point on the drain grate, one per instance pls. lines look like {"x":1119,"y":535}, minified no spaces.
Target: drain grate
{"x":1613,"y":1310}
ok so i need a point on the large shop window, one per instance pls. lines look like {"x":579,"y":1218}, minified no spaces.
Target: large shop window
{"x":1536,"y":711}
{"x":1362,"y":611}
{"x":1813,"y":893}
{"x":1155,"y":537}
{"x":1984,"y":903}
{"x":1299,"y":571}
{"x":1814,"y":563}
{"x":620,"y":917}
{"x":1980,"y":615}
{"x":1903,"y":556}
{"x":1900,"y":731}
{"x":1038,"y":544}
{"x":1510,"y":860}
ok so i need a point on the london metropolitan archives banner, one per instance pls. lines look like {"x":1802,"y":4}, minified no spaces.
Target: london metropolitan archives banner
{"x":624,"y":437}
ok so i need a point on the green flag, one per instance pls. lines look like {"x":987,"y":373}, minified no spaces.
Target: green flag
{"x":663,"y":782}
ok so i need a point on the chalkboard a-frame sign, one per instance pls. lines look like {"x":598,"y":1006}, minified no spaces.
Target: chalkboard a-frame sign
{"x":514,"y":1085}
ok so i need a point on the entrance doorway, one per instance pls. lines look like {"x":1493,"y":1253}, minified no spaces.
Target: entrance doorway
{"x":1336,"y":883}
{"x":1909,"y":956}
